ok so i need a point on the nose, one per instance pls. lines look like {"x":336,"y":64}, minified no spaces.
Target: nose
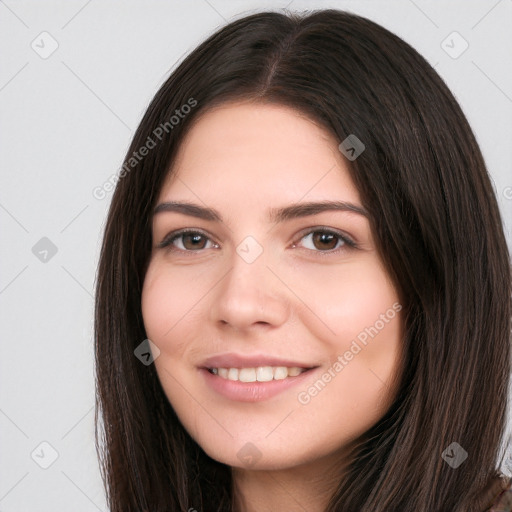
{"x":249,"y":294}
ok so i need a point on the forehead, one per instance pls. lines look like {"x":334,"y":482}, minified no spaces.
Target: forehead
{"x":259,"y":147}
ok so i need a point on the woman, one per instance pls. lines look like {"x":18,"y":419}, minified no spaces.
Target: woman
{"x":303,"y":296}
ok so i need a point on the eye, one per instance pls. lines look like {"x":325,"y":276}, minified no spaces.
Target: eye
{"x":188,"y":241}
{"x":318,"y":239}
{"x":326,"y":240}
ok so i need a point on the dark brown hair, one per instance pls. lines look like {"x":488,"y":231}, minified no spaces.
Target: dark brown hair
{"x":438,"y":229}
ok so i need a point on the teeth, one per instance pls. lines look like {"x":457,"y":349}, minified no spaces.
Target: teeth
{"x":259,"y":374}
{"x":233,"y":374}
{"x":280,"y":373}
{"x":264,"y":373}
{"x":247,"y":375}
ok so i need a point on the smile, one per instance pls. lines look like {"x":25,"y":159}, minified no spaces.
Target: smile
{"x":257,"y":374}
{"x":229,"y":383}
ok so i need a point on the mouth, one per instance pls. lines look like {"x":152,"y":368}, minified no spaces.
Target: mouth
{"x":258,"y":373}
{"x":252,"y":377}
{"x":254,"y":384}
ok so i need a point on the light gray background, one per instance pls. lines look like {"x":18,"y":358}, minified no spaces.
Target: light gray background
{"x":66,"y":122}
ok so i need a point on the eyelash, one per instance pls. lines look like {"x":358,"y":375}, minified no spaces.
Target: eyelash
{"x":348,"y":243}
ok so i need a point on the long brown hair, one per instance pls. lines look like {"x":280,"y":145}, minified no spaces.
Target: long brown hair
{"x":437,"y":227}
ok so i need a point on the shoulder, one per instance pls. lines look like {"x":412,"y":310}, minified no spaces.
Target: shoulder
{"x":502,"y":500}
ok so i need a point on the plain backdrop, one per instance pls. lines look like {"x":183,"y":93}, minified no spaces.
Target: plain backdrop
{"x":75,"y":80}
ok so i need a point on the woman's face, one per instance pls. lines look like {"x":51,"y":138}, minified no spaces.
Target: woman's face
{"x":265,"y":288}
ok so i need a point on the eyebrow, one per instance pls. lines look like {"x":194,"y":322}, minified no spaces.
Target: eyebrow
{"x":274,"y":214}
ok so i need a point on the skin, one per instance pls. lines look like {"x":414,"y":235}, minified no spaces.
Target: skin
{"x":307,"y":302}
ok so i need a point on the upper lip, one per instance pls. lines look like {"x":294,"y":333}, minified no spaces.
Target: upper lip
{"x":250,"y":361}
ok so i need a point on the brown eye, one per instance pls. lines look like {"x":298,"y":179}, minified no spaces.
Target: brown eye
{"x":193,"y":241}
{"x":326,"y":241}
{"x":186,"y":241}
{"x":323,"y":240}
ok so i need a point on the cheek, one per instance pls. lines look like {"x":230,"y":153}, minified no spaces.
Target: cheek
{"x":342,"y":301}
{"x":173,"y":312}
{"x":356,"y":315}
{"x":158,"y":307}
{"x":168,"y":299}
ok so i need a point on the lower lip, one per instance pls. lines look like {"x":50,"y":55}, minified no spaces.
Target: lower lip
{"x":252,"y":391}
